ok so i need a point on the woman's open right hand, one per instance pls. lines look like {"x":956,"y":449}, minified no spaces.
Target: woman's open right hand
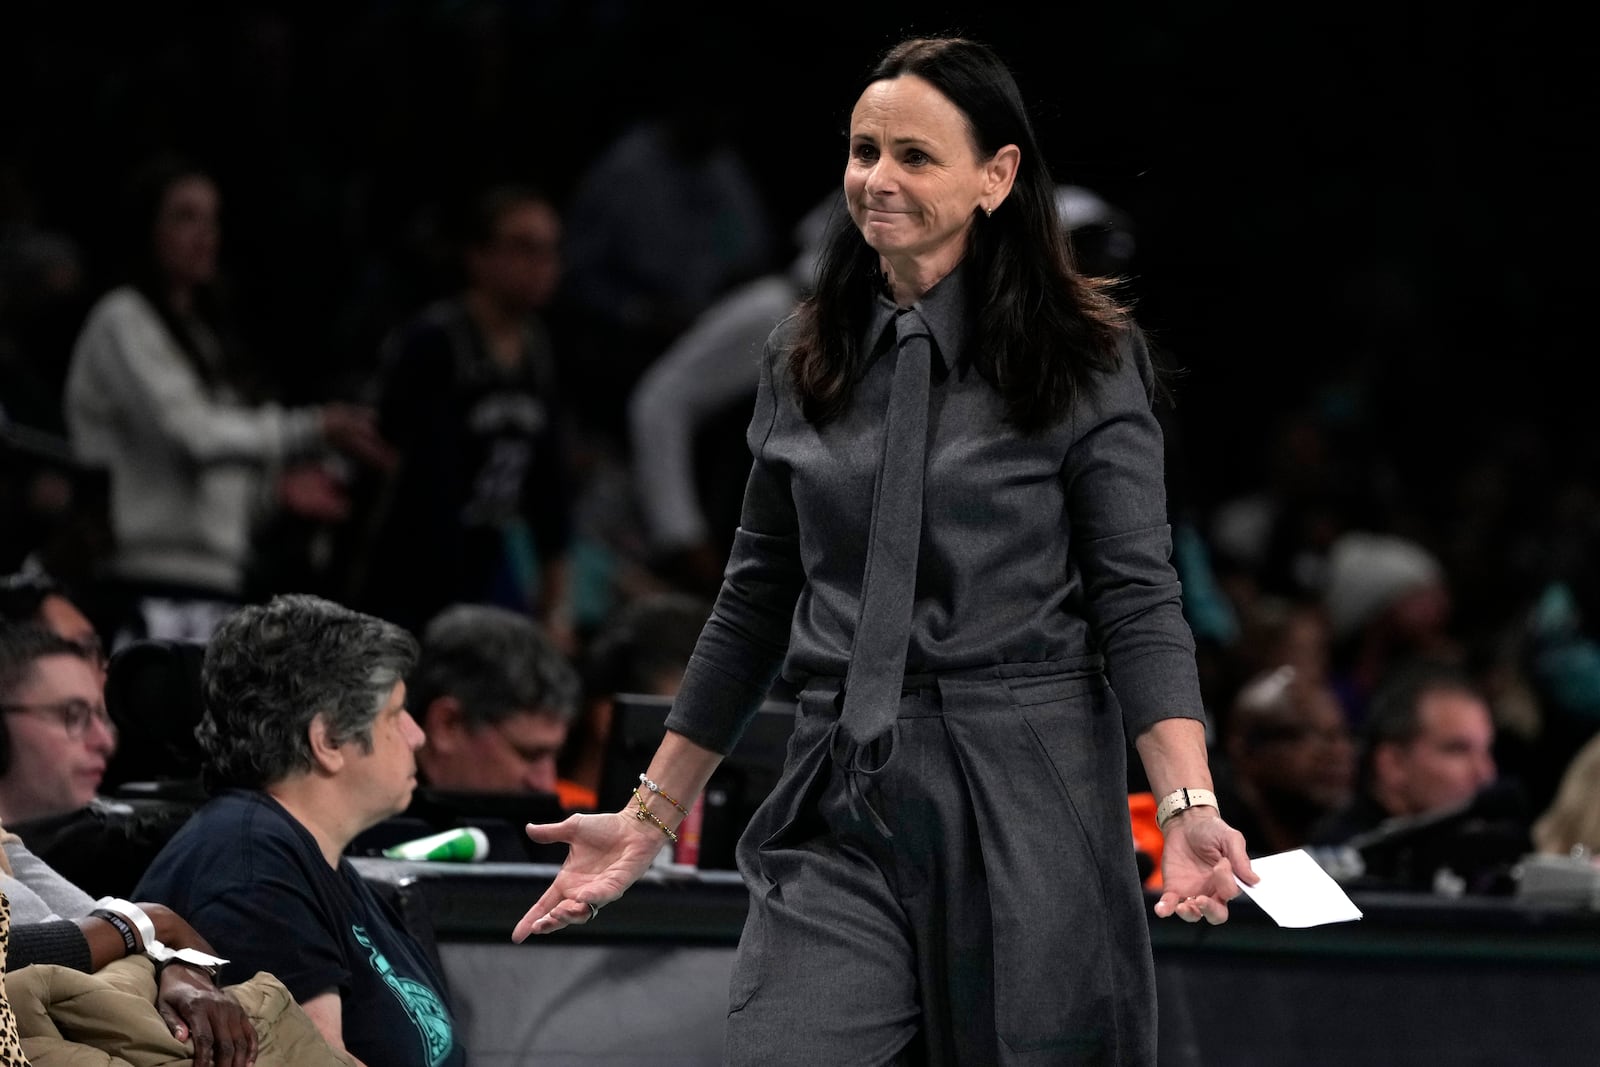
{"x":606,"y":854}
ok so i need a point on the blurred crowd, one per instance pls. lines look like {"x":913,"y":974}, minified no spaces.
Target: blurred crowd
{"x":321,"y":393}
{"x":523,"y":383}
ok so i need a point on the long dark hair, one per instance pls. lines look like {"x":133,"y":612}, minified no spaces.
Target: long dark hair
{"x":147,"y":190}
{"x":1045,"y":328}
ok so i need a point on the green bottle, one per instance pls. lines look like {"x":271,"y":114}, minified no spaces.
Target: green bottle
{"x":465,"y":844}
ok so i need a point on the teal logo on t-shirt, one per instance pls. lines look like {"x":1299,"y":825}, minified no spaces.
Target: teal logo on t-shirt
{"x":419,"y":1001}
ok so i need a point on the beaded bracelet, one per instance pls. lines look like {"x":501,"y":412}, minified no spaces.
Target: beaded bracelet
{"x":645,"y":813}
{"x":656,"y":789}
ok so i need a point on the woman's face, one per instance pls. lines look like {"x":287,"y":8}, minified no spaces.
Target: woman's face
{"x":186,"y":232}
{"x":914,"y":178}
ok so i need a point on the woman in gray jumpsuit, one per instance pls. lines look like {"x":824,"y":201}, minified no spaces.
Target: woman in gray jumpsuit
{"x":954,"y":542}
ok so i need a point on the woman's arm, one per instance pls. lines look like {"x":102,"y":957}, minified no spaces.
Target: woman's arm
{"x":1174,"y":755}
{"x":125,"y":352}
{"x":1201,"y":853}
{"x":735,"y":660}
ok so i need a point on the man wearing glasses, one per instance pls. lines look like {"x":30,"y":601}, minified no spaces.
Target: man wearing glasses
{"x":56,"y":740}
{"x":55,"y":735}
{"x":33,"y":596}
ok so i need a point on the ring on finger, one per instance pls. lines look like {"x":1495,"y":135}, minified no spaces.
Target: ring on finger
{"x":594,"y":911}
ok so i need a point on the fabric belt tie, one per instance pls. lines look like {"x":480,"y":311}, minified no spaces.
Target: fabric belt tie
{"x":870,"y":700}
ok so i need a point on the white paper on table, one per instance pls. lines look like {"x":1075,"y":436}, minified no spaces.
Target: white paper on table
{"x":1296,"y":892}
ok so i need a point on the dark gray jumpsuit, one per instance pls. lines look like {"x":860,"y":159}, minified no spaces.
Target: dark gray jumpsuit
{"x":1000,"y":921}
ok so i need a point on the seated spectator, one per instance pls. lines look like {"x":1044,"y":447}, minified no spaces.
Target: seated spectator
{"x":55,"y":736}
{"x":642,"y":648}
{"x":54,"y":922}
{"x":1428,"y":746}
{"x":56,"y":739}
{"x":495,"y":697}
{"x":1558,"y":642}
{"x":153,"y":695}
{"x":1571,"y":823}
{"x":1280,"y":631}
{"x":308,"y":742}
{"x":1426,"y":792}
{"x":1389,"y":601}
{"x":152,"y":689}
{"x":30,"y":596}
{"x":1288,"y":760}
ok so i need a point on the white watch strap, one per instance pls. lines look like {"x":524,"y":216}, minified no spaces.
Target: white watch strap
{"x":147,"y":935}
{"x":1182,"y":800}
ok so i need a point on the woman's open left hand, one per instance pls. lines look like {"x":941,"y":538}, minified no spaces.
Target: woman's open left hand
{"x":1199,"y":860}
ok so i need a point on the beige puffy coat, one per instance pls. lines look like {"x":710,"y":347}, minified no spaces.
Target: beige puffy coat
{"x":108,"y":1019}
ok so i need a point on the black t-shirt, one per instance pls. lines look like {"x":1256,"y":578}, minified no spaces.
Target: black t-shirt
{"x":253,"y":882}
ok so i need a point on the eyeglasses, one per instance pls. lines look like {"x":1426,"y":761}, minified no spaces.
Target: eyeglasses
{"x":74,"y":715}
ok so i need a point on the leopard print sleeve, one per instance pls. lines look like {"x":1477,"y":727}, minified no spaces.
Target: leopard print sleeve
{"x":10,"y":1045}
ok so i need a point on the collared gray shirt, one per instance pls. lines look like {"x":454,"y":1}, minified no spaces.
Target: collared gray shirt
{"x":1036,"y":549}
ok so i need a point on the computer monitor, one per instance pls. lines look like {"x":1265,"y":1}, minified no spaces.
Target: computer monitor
{"x":737,"y":787}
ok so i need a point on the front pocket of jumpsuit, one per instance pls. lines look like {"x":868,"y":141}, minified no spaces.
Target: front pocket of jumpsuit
{"x":748,"y":961}
{"x":770,"y":828}
{"x":1054,"y":973}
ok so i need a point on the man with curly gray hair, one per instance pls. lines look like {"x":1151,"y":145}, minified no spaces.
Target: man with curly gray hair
{"x":308,"y":743}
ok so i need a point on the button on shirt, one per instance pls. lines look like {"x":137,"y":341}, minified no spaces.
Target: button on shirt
{"x":1044,"y":548}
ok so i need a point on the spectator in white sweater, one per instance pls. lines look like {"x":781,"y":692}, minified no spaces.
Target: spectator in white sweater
{"x":159,"y":395}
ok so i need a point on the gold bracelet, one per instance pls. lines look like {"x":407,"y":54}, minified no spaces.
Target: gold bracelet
{"x":645,"y":813}
{"x":656,"y":789}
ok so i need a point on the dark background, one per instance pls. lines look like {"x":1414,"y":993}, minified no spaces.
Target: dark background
{"x":1384,"y":206}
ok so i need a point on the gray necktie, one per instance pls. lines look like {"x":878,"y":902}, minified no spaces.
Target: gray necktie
{"x":878,"y":658}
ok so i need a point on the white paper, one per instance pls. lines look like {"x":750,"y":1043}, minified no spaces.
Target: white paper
{"x":1296,"y":892}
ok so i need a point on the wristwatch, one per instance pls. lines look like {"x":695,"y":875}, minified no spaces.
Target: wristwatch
{"x":1182,"y":800}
